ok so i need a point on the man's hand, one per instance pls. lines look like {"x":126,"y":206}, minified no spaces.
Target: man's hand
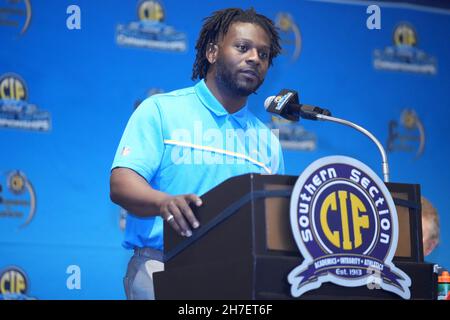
{"x":176,"y":211}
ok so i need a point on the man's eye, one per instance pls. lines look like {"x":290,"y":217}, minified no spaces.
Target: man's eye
{"x":242,"y":47}
{"x":263,"y":55}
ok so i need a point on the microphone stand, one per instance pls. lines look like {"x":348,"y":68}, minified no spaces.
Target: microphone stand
{"x":385,"y":167}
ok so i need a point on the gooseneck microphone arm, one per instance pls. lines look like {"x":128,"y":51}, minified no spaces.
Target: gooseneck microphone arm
{"x":385,"y":166}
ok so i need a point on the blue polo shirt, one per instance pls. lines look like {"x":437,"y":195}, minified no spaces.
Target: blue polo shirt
{"x":184,"y":142}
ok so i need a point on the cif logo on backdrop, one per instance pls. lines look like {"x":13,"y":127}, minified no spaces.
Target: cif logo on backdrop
{"x":13,"y":284}
{"x":290,"y":32}
{"x":150,"y":31}
{"x":404,"y":55}
{"x":15,"y":111}
{"x":408,"y":134}
{"x":293,"y":136}
{"x":345,"y":224}
{"x":15,"y":14}
{"x":17,"y":197}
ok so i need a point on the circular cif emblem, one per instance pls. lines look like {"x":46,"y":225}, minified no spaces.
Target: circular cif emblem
{"x":342,"y":209}
{"x":150,"y":10}
{"x":344,"y":222}
{"x":13,"y":282}
{"x":13,"y":87}
{"x":285,"y":22}
{"x":404,"y":34}
{"x":18,"y":200}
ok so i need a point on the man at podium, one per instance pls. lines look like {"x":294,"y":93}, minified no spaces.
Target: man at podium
{"x":178,"y":145}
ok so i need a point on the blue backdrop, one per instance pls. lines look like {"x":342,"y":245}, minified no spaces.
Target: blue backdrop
{"x":69,"y":85}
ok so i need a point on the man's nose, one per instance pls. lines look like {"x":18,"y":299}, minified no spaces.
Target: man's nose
{"x":253,"y":56}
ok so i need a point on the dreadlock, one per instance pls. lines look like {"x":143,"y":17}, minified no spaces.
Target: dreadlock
{"x":218,"y":24}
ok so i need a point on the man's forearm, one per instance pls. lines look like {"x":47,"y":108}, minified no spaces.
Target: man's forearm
{"x":133,"y":193}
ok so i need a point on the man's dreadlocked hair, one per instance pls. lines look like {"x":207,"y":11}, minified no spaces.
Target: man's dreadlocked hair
{"x":217,"y":25}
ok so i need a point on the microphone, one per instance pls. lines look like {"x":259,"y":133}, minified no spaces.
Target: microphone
{"x":286,"y":105}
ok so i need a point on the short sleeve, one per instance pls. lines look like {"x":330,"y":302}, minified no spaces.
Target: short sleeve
{"x":141,"y":147}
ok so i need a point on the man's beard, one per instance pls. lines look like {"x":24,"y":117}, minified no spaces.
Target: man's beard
{"x":238,"y":87}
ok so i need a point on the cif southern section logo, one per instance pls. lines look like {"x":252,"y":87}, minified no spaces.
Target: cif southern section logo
{"x":408,"y":134}
{"x":17,"y":197}
{"x":150,"y":31}
{"x":290,"y":34}
{"x":13,"y":284}
{"x":345,"y":224}
{"x":404,"y":55}
{"x":15,"y":111}
{"x":15,"y":14}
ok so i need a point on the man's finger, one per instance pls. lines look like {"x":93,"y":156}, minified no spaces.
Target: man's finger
{"x":179,"y":217}
{"x":194,"y":198}
{"x":189,"y":215}
{"x":172,"y":222}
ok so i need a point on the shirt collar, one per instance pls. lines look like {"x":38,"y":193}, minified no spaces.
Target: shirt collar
{"x":211,"y":102}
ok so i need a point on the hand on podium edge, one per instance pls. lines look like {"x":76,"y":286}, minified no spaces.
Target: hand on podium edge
{"x":176,"y":211}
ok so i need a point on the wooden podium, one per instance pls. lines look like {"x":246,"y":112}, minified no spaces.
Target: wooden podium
{"x":244,"y":248}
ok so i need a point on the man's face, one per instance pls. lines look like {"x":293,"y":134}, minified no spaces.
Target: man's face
{"x":243,"y":58}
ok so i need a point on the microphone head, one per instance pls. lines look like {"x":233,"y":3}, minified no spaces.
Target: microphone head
{"x":282,"y":104}
{"x":268,"y":101}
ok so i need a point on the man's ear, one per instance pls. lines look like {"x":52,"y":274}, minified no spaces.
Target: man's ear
{"x":211,"y":52}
